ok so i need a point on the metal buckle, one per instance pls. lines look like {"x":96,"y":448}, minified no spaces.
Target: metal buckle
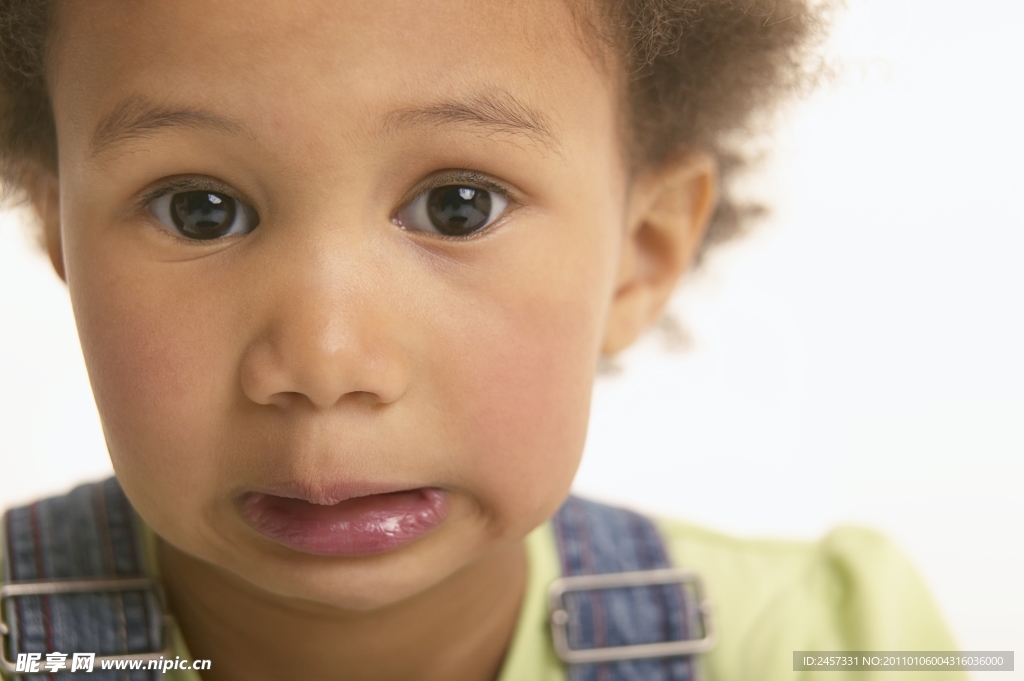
{"x":56,"y":587}
{"x":614,"y":580}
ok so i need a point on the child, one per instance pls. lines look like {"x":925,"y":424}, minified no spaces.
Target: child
{"x":342,"y":274}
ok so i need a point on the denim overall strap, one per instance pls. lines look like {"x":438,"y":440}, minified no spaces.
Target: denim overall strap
{"x":596,"y":539}
{"x":87,"y":534}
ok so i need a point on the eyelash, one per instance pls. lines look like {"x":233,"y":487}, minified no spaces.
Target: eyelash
{"x":189,"y":184}
{"x":467,"y":177}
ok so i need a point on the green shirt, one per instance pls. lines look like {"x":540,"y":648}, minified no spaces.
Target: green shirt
{"x":852,"y":590}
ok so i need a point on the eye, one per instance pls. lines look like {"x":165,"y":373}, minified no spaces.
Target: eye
{"x":203,"y":215}
{"x":452,"y":210}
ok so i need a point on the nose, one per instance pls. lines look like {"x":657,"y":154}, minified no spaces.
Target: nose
{"x":327,"y":335}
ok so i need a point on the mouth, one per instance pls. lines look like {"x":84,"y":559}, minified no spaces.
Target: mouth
{"x":355,"y":526}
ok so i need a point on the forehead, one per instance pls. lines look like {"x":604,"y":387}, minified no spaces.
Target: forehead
{"x":350,"y":67}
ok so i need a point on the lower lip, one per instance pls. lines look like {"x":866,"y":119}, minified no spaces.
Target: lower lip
{"x":355,"y":527}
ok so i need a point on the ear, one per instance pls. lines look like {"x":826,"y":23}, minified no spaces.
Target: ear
{"x":44,"y":191}
{"x":669,"y":210}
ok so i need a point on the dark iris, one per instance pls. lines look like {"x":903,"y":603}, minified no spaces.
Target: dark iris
{"x":455,"y":210}
{"x":203,"y":214}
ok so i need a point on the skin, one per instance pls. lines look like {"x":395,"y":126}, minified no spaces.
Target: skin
{"x":330,"y":345}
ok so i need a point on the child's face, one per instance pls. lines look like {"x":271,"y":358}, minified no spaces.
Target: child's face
{"x":339,"y":348}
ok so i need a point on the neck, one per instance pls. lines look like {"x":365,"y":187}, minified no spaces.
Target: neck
{"x":459,"y":629}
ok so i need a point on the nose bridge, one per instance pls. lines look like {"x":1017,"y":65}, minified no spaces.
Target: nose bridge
{"x":326,"y":330}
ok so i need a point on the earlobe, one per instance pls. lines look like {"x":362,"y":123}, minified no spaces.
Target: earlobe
{"x":670,"y":207}
{"x":45,"y":195}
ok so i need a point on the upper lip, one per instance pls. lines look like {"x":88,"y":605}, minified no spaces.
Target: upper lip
{"x":330,"y":493}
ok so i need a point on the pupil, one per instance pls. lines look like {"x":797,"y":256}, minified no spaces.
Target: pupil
{"x":203,"y":215}
{"x":455,"y":211}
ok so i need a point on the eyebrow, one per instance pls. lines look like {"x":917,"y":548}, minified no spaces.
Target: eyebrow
{"x":494,"y":112}
{"x":139,"y":118}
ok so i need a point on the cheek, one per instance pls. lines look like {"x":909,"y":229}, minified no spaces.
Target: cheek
{"x":160,"y":364}
{"x":515,"y":387}
{"x":525,"y":411}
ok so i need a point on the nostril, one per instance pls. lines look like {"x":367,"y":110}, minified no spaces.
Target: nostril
{"x":285,"y":400}
{"x":370,"y":400}
{"x":289,"y":371}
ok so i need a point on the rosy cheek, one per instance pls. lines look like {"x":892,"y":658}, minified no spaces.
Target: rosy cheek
{"x":158,"y":367}
{"x":527,"y":423}
{"x":519,"y":386}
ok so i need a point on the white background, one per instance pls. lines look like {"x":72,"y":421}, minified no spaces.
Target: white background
{"x":858,"y":358}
